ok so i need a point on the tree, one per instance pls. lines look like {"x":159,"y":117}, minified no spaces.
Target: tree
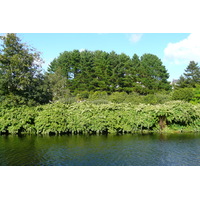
{"x":101,"y":72}
{"x":152,"y":74}
{"x":19,"y":69}
{"x":113,"y":60}
{"x":111,"y":72}
{"x":58,"y":85}
{"x":191,"y":77}
{"x":136,"y":75}
{"x":63,"y":63}
{"x":76,"y":67}
{"x":87,"y":75}
{"x":181,"y":83}
{"x":124,"y":73}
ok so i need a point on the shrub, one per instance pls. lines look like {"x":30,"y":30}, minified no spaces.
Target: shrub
{"x":98,"y":95}
{"x":90,"y":118}
{"x":184,"y":94}
{"x":118,"y":97}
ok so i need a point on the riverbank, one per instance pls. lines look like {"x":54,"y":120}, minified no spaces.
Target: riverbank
{"x":91,"y":119}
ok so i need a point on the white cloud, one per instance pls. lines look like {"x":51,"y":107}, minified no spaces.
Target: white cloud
{"x":135,"y":37}
{"x":80,"y":50}
{"x":184,"y":51}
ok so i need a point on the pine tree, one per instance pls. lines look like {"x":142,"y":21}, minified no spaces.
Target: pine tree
{"x":153,"y":74}
{"x":192,"y":74}
{"x":100,"y":69}
{"x":191,"y":77}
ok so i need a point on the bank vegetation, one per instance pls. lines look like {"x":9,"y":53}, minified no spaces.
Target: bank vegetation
{"x":93,"y":92}
{"x":100,"y":119}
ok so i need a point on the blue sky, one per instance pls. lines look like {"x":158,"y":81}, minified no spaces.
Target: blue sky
{"x":174,"y":49}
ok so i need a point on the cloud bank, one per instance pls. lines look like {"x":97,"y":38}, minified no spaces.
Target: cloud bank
{"x":184,"y":51}
{"x":135,"y":37}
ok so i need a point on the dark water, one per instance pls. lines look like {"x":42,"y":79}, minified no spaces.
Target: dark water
{"x":129,"y":150}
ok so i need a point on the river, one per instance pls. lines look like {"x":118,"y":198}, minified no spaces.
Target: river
{"x":127,"y":150}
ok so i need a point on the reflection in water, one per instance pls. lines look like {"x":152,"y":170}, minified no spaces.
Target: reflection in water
{"x":129,"y":150}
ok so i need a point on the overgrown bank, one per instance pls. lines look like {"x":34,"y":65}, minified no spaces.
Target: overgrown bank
{"x":87,"y":118}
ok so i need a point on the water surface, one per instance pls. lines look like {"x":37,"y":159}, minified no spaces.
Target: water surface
{"x":126,"y":150}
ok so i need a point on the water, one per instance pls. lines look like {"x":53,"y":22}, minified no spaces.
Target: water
{"x":127,"y":150}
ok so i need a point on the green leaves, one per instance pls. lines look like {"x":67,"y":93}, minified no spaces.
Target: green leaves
{"x":152,"y":74}
{"x":184,"y":94}
{"x":20,"y":74}
{"x":17,"y":120}
{"x":191,"y":77}
{"x":111,"y":72}
{"x":88,"y":118}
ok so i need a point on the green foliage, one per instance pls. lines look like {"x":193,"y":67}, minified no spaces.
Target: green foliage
{"x":196,"y":95}
{"x":150,"y":99}
{"x":51,"y":119}
{"x":152,"y":74}
{"x":187,"y":87}
{"x":191,"y":76}
{"x":90,"y":118}
{"x":58,"y":85}
{"x":82,"y":95}
{"x":98,"y":95}
{"x":110,"y":72}
{"x":92,"y":93}
{"x":134,"y":98}
{"x":17,"y":120}
{"x":118,"y":97}
{"x":185,"y":94}
{"x":20,"y":75}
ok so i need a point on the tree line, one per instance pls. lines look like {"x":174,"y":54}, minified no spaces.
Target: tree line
{"x":93,"y":75}
{"x":111,"y":72}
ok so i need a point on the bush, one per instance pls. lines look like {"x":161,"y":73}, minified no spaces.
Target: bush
{"x":134,"y":98}
{"x":196,"y":95}
{"x":118,"y":97}
{"x":82,"y":95}
{"x":99,"y":101}
{"x":17,"y":120}
{"x":98,"y":95}
{"x":184,"y":94}
{"x":89,"y":118}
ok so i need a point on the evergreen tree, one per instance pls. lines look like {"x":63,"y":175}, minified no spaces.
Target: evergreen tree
{"x":153,"y":74}
{"x":110,"y":72}
{"x":137,"y":75}
{"x":100,"y":69}
{"x":113,"y":60}
{"x":191,"y":77}
{"x":181,"y":83}
{"x":124,"y":73}
{"x":63,"y":63}
{"x":192,"y":72}
{"x":87,"y":75}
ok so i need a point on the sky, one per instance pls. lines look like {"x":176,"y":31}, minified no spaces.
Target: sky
{"x":175,"y":50}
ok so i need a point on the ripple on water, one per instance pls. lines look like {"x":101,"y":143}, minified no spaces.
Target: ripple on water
{"x":132,"y":150}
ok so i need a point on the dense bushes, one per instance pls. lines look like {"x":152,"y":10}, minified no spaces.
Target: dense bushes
{"x":185,"y":94}
{"x":17,"y":120}
{"x":110,"y":118}
{"x":100,"y":97}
